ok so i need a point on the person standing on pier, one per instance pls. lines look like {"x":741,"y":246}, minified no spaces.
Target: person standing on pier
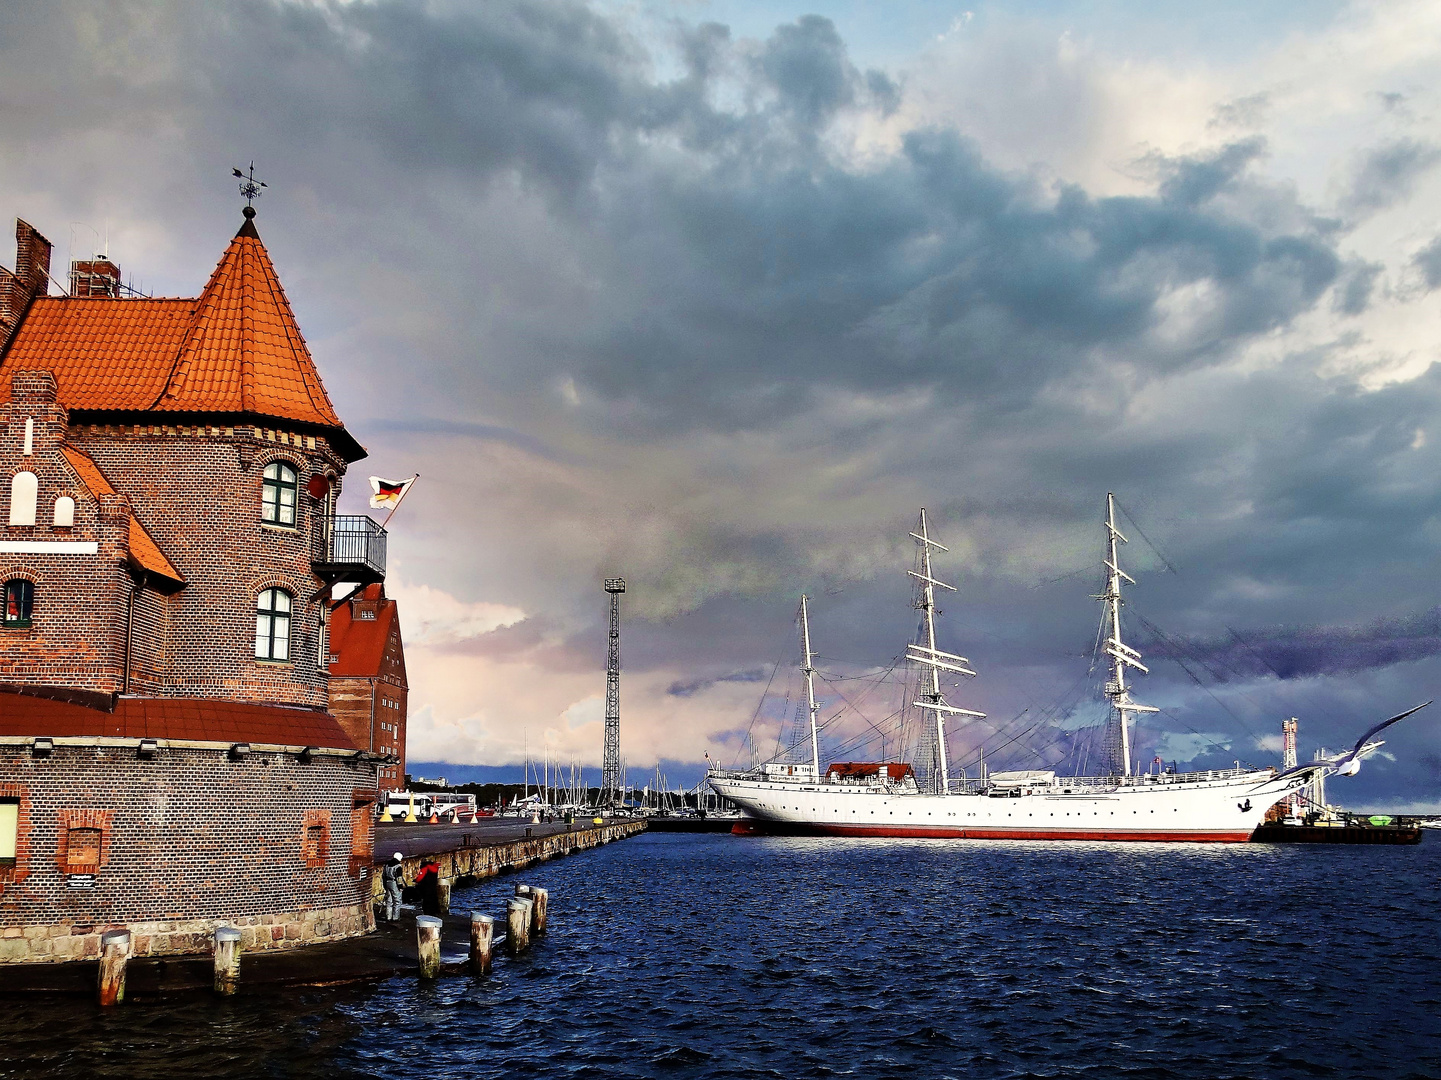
{"x":427,"y":884}
{"x":393,"y":879}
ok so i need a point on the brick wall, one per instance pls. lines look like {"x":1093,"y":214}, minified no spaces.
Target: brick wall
{"x":197,"y":490}
{"x":188,"y":840}
{"x":76,"y":637}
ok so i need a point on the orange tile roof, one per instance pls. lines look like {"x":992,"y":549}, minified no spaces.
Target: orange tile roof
{"x":189,"y":719}
{"x":234,"y":349}
{"x":359,"y":644}
{"x":143,"y":548}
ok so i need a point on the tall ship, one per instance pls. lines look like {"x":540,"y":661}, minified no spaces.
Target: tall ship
{"x":1126,"y":804}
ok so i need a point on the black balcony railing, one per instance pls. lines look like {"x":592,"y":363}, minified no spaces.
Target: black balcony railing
{"x":349,"y":547}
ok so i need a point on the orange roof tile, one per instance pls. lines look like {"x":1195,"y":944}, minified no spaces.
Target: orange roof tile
{"x":143,"y":548}
{"x":174,"y":718}
{"x":359,"y":644}
{"x":234,"y":349}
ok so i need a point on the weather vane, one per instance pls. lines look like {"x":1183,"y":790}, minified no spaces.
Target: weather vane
{"x":249,"y":186}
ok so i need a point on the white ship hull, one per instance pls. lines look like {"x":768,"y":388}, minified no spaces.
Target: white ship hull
{"x":1219,"y":807}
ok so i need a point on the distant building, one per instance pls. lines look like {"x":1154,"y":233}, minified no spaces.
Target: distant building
{"x":368,"y":689}
{"x":168,"y":546}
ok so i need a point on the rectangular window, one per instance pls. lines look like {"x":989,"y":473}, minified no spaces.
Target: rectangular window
{"x":9,"y":830}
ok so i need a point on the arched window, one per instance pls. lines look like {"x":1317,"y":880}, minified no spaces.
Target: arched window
{"x":277,"y":494}
{"x":19,"y":600}
{"x":64,"y":512}
{"x":23,"y":490}
{"x":272,"y":625}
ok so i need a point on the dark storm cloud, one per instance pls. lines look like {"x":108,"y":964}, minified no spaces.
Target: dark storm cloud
{"x":1428,"y":261}
{"x":1303,"y":652}
{"x":1387,"y":174}
{"x":695,"y":686}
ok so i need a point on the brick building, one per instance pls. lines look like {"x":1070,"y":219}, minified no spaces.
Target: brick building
{"x":168,"y":477}
{"x":368,"y":690}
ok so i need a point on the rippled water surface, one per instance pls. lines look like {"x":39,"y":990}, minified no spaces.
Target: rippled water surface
{"x":678,"y":956}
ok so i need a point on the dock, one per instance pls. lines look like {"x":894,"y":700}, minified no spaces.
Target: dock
{"x":465,"y":853}
{"x":1350,"y":833}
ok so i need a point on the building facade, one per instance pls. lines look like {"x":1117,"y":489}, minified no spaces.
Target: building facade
{"x":368,"y":689}
{"x":169,"y":470}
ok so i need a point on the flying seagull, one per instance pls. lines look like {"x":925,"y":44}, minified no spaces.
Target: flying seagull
{"x":1349,"y":763}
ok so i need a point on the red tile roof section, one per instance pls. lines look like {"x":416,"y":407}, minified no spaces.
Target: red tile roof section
{"x":235,"y":349}
{"x":172,"y":718}
{"x":143,"y":548}
{"x":359,"y":644}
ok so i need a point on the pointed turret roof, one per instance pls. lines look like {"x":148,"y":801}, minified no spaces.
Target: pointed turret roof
{"x":243,"y":351}
{"x":235,"y":350}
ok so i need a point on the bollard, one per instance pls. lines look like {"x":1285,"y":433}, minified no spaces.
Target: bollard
{"x":517,"y":926}
{"x":114,"y":953}
{"x":442,"y":895}
{"x":482,"y":933}
{"x":537,"y":907}
{"x":427,"y":943}
{"x":227,"y":960}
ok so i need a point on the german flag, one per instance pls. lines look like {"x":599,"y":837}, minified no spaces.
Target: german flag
{"x":387,"y":493}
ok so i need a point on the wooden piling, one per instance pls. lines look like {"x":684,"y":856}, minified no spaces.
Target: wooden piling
{"x":114,"y":954}
{"x":427,"y":943}
{"x":517,"y":926}
{"x":442,"y":894}
{"x":227,"y":960}
{"x":482,"y":932}
{"x":537,"y":897}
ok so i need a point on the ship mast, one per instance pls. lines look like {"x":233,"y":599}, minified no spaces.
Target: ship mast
{"x":808,"y":667}
{"x":931,"y":658}
{"x":1121,"y":654}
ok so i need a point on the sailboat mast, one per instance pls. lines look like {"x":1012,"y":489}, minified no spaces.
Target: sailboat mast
{"x":1121,"y":654}
{"x":809,"y":669}
{"x":928,"y":605}
{"x":932,"y":658}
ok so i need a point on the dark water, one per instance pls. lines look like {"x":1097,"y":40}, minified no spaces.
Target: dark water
{"x":680,"y":956}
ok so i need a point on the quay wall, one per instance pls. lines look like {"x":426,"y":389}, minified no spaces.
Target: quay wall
{"x":173,"y":846}
{"x":491,"y":859}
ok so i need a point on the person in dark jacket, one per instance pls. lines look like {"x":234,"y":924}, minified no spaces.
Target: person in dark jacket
{"x":393,"y":879}
{"x":427,"y":885}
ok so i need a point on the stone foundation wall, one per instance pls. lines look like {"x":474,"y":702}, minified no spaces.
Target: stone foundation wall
{"x":179,"y":937}
{"x":481,"y":862}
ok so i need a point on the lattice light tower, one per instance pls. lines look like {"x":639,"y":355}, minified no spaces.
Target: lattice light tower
{"x":610,"y":783}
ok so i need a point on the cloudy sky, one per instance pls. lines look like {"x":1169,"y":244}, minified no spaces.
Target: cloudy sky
{"x":715,"y":294}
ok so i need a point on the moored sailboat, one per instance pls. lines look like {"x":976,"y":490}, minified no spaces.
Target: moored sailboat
{"x":884,"y":799}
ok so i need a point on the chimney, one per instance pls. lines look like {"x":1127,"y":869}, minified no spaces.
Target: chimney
{"x":32,"y":258}
{"x":30,"y":279}
{"x":95,"y":277}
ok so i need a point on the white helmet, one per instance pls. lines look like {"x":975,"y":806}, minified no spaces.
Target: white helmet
{"x":398,"y":856}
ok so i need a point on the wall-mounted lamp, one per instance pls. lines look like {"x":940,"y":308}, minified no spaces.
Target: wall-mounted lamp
{"x":239,"y":750}
{"x":42,"y":747}
{"x":307,"y":755}
{"x":147,"y":749}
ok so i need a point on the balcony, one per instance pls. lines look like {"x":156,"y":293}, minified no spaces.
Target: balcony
{"x":348,"y":547}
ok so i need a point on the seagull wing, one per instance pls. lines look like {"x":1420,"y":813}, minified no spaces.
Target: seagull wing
{"x":1364,"y":739}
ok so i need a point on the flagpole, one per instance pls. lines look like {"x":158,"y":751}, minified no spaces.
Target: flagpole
{"x":400,"y":500}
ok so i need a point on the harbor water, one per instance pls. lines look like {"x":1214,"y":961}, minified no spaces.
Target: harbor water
{"x":704,"y":955}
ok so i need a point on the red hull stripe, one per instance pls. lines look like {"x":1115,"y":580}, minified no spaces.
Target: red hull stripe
{"x":757,"y":827}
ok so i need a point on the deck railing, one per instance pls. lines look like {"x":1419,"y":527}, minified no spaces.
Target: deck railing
{"x":350,"y":543}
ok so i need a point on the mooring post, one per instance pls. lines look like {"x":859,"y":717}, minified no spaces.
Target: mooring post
{"x":114,"y":954}
{"x":517,"y":926}
{"x":537,"y":897}
{"x":443,"y":895}
{"x":482,"y":932}
{"x":227,"y":960}
{"x":427,"y":943}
